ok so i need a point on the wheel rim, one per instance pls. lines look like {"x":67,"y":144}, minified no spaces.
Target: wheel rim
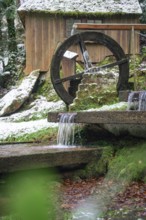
{"x":99,"y":39}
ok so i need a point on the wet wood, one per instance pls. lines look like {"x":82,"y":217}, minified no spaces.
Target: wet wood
{"x":105,"y":117}
{"x":26,"y":156}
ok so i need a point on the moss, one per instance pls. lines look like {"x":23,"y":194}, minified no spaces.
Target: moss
{"x":79,"y":68}
{"x":97,"y":167}
{"x":76,"y":14}
{"x":129,"y":163}
{"x":45,"y":88}
{"x":137,"y":77}
{"x":122,"y":160}
{"x":107,"y":60}
{"x":100,"y":167}
{"x":94,"y":100}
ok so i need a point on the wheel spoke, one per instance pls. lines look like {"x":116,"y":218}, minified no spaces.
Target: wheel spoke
{"x":85,"y":54}
{"x":78,"y":75}
{"x":112,"y":64}
{"x":92,"y":69}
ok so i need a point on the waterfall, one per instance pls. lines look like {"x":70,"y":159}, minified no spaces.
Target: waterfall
{"x":66,"y":129}
{"x":133,"y":101}
{"x":137,"y":101}
{"x":142,"y":101}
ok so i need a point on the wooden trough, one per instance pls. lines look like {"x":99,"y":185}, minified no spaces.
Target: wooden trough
{"x":104,"y":117}
{"x":18,"y":157}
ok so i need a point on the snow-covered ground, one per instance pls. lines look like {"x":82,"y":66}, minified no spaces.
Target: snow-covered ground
{"x":37,"y":109}
{"x":15,"y":129}
{"x":116,"y":106}
{"x":22,"y":123}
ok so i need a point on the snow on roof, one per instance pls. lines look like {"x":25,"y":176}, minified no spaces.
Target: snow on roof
{"x":83,"y":6}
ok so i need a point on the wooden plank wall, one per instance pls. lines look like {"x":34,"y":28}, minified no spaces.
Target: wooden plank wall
{"x":44,"y":34}
{"x":123,"y":37}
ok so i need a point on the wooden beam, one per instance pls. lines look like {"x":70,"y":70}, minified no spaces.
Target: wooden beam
{"x":87,"y":26}
{"x":105,"y":117}
{"x":24,"y":157}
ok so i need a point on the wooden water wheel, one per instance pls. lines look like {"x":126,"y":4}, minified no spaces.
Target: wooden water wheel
{"x":81,"y":50}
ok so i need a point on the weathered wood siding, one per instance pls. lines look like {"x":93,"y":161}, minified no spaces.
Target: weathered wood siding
{"x":44,"y":34}
{"x":124,"y":37}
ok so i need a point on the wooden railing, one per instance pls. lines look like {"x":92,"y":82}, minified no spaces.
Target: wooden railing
{"x":92,"y":26}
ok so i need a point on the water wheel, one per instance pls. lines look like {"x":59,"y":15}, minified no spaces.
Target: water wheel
{"x":67,"y":71}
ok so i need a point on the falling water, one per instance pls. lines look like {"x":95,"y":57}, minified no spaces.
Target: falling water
{"x":66,"y":129}
{"x":137,"y":101}
{"x":142,"y":101}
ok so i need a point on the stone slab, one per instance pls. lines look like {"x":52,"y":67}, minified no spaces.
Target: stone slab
{"x":21,"y":157}
{"x":104,"y":117}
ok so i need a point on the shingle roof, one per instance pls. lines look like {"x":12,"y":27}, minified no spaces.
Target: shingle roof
{"x":82,"y":6}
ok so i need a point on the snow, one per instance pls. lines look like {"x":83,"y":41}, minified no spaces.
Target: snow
{"x":37,"y":108}
{"x":116,"y":106}
{"x":94,"y":6}
{"x":16,"y":129}
{"x":11,"y":126}
{"x":22,"y":123}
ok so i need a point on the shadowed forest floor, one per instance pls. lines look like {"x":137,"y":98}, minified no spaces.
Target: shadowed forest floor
{"x":129,"y":204}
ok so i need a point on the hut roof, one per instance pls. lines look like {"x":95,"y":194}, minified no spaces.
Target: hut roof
{"x":82,"y":6}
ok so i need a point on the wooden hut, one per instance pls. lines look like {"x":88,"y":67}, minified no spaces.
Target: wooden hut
{"x":49,"y":22}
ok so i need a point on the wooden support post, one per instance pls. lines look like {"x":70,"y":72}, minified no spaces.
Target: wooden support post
{"x":133,"y":56}
{"x":69,"y":65}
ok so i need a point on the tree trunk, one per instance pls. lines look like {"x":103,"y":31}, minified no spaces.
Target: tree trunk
{"x":10,"y":16}
{"x":0,"y":30}
{"x":11,"y":34}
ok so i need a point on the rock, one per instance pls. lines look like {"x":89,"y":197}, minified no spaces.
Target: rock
{"x":126,"y":129}
{"x":95,"y":90}
{"x":14,"y":99}
{"x":38,"y":109}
